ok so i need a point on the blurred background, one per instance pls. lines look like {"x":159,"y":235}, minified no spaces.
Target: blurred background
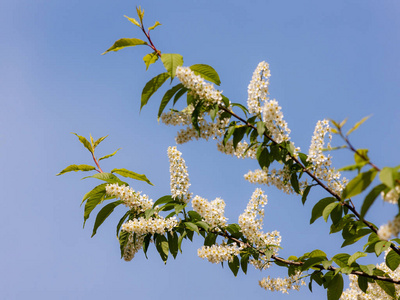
{"x":328,"y":60}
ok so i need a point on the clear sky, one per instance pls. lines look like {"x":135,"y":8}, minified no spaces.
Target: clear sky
{"x":328,"y":59}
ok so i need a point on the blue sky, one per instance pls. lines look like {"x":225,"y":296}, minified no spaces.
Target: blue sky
{"x":331,"y":59}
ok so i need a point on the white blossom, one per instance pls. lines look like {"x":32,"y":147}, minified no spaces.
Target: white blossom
{"x":212,"y":212}
{"x":198,"y":85}
{"x":219,"y":253}
{"x":179,"y":177}
{"x":258,"y":88}
{"x":392,"y":196}
{"x":132,"y":246}
{"x":283,"y":284}
{"x":390,"y":229}
{"x":131,"y":198}
{"x":142,"y":226}
{"x":240,"y":149}
{"x":273,"y":119}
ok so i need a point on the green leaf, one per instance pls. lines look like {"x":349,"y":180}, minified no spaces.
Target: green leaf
{"x":353,"y":167}
{"x":162,"y":247}
{"x":335,"y":287}
{"x":295,"y":183}
{"x":263,"y":157}
{"x":133,"y":21}
{"x":358,"y":184}
{"x":103,"y":214}
{"x":167,"y":97}
{"x":173,"y":243}
{"x":207,"y":72}
{"x":381,"y":247}
{"x":312,"y":262}
{"x":154,"y":26}
{"x":354,"y":238}
{"x":362,"y":283}
{"x":122,"y":220}
{"x":233,"y":228}
{"x":242,"y":107}
{"x":357,"y":125}
{"x":368,"y":269}
{"x":150,"y":58}
{"x":356,"y":256}
{"x":238,"y":135}
{"x":210,"y":239}
{"x":370,"y":198}
{"x":360,"y":155}
{"x":109,"y":155}
{"x":388,"y":287}
{"x":387,"y":176}
{"x":96,"y":143}
{"x":162,"y":200}
{"x":151,"y":87}
{"x":194,"y":216}
{"x":130,"y":174}
{"x":229,"y":132}
{"x":319,"y":208}
{"x":191,"y":226}
{"x":91,"y":203}
{"x":203,"y":225}
{"x":171,"y":61}
{"x":341,"y":259}
{"x":179,"y":94}
{"x":234,"y":265}
{"x":123,"y":240}
{"x":76,"y":168}
{"x":100,"y":189}
{"x":123,"y":43}
{"x":244,"y":262}
{"x":328,"y":209}
{"x":85,"y":142}
{"x":108,"y":177}
{"x":260,"y":128}
{"x":305,"y":194}
{"x":392,"y":260}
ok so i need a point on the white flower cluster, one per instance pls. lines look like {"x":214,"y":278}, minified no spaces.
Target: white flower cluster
{"x":273,"y":118}
{"x":197,"y":84}
{"x":258,"y":88}
{"x":390,"y":229}
{"x":132,"y":199}
{"x":240,"y":149}
{"x":179,"y":178}
{"x":322,"y":164}
{"x":143,"y":226}
{"x":374,"y":291}
{"x":132,"y":246}
{"x":175,"y":118}
{"x":212,"y":212}
{"x":219,"y":253}
{"x":282,"y":284}
{"x":252,"y":226}
{"x":278,"y":178}
{"x":392,"y":196}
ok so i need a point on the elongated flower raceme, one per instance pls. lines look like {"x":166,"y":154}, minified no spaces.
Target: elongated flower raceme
{"x":132,"y":199}
{"x":219,"y":253}
{"x":134,"y":244}
{"x":205,"y":91}
{"x":179,"y":177}
{"x":212,"y":212}
{"x":143,"y":226}
{"x":283,"y":284}
{"x":258,"y":88}
{"x":251,"y":222}
{"x":390,"y":229}
{"x":321,"y":164}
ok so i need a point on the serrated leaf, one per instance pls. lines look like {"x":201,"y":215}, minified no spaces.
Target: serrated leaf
{"x":354,"y":238}
{"x":179,"y":94}
{"x":319,"y":208}
{"x":370,"y":198}
{"x":173,"y":243}
{"x":360,"y":155}
{"x":85,"y":142}
{"x":210,"y":239}
{"x":358,"y":184}
{"x":207,"y":72}
{"x":356,"y":256}
{"x":125,"y":42}
{"x":91,"y":203}
{"x":123,"y":240}
{"x":149,"y":59}
{"x":109,"y":155}
{"x":133,"y":21}
{"x":167,"y":97}
{"x":99,"y":140}
{"x":242,"y":107}
{"x":162,"y":247}
{"x":103,"y":214}
{"x":122,"y":221}
{"x":140,"y":13}
{"x":312,"y":262}
{"x":76,"y":168}
{"x":244,"y":261}
{"x":171,"y":61}
{"x":295,"y":183}
{"x":357,"y":125}
{"x":368,"y":269}
{"x":131,"y":174}
{"x":154,"y":26}
{"x":203,"y":225}
{"x":108,"y":177}
{"x":392,"y":260}
{"x":381,"y":247}
{"x":151,"y":87}
{"x":305,"y":194}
